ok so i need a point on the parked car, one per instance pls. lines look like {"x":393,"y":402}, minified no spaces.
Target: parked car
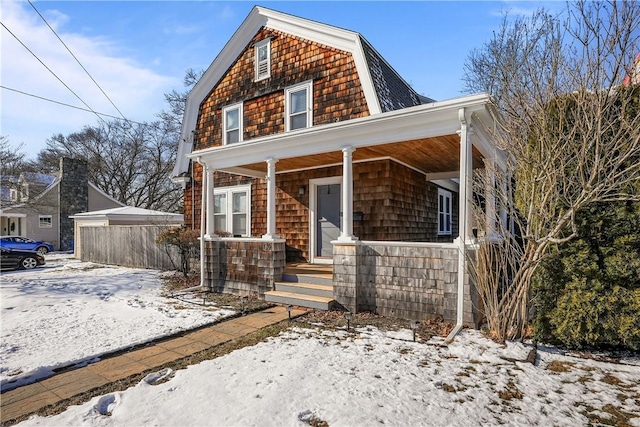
{"x":25,"y":244}
{"x":26,"y":260}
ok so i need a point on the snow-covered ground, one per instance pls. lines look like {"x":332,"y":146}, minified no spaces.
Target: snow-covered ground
{"x":364,"y":377}
{"x":70,"y":312}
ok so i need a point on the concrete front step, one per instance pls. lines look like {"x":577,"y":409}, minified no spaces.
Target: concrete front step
{"x":305,"y":289}
{"x":309,"y":301}
{"x":308,"y":278}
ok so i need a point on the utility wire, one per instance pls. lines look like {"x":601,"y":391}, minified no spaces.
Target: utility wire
{"x":69,"y":105}
{"x":74,"y":57}
{"x":49,"y":69}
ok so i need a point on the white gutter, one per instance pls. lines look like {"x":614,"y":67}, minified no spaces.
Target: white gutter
{"x":465,"y":162}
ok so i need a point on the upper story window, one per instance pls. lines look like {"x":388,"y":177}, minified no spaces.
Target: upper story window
{"x":298,"y":105}
{"x":444,"y":212}
{"x":262,"y":59}
{"x":13,"y":194}
{"x":232,"y":210}
{"x":232,"y":124}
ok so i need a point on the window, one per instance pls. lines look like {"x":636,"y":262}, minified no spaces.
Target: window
{"x":444,"y":212}
{"x":13,"y":194}
{"x":262,"y":59}
{"x":45,"y":221}
{"x":232,"y":210}
{"x":232,"y":123}
{"x":24,"y":192}
{"x":298,"y":104}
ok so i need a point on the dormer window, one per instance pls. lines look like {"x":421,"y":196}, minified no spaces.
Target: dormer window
{"x":298,"y":102}
{"x":232,"y":124}
{"x":13,"y":193}
{"x":24,"y":192}
{"x":263,"y":59}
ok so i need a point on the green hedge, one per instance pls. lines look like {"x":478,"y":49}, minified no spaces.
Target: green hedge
{"x":587,"y":294}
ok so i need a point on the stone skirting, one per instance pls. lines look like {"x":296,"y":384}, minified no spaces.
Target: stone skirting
{"x":415,"y":281}
{"x":243,"y":266}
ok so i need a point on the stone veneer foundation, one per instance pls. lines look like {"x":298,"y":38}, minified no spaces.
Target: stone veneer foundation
{"x":243,"y":266}
{"x":416,"y":281}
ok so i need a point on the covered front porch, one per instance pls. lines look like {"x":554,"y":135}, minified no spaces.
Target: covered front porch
{"x":411,"y":278}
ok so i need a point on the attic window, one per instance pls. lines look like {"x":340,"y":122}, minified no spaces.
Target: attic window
{"x":263,"y":59}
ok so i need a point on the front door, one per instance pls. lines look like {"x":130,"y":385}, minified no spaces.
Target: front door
{"x":326,"y":226}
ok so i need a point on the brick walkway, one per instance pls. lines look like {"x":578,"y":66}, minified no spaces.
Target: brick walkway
{"x":33,"y":397}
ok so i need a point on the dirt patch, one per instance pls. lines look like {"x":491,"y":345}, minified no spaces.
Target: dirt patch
{"x":335,"y":319}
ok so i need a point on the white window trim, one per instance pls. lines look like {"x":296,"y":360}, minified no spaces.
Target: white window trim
{"x":229,"y":191}
{"x":41,"y":217}
{"x":308,"y":86}
{"x":257,"y":63}
{"x":238,"y":107}
{"x":24,"y":193}
{"x":448,"y":197}
{"x":13,"y":194}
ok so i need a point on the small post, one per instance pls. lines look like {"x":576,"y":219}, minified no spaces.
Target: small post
{"x":289,"y":307}
{"x":414,"y":326}
{"x":245,"y":304}
{"x":348,"y":316}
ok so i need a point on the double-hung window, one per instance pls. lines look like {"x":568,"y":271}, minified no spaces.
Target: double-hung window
{"x":232,"y":123}
{"x":45,"y":221}
{"x":444,"y":212}
{"x":262,"y":59}
{"x":298,"y":106}
{"x":232,"y":210}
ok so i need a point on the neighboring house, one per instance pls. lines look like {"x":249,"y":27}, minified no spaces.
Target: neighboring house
{"x":305,"y":145}
{"x":38,"y":206}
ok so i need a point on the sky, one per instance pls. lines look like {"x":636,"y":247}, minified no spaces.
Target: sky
{"x":71,"y":311}
{"x":136,"y":51}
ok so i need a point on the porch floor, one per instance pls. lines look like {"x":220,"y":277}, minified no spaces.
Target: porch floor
{"x":301,"y":268}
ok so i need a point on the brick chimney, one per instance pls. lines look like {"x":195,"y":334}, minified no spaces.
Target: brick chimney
{"x":73,"y":196}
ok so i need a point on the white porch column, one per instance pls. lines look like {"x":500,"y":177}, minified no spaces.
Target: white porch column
{"x":490,"y":197}
{"x":207,"y":193}
{"x":464,"y":229}
{"x":271,"y":199}
{"x":466,"y":171}
{"x":346,"y":233}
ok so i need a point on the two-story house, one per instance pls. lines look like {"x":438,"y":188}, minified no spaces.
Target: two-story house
{"x":38,"y":206}
{"x":300,"y":143}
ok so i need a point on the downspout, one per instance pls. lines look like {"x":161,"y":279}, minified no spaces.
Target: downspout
{"x":463,"y":223}
{"x":203,"y":196}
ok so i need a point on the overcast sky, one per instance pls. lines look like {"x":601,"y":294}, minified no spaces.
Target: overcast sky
{"x":138,"y":51}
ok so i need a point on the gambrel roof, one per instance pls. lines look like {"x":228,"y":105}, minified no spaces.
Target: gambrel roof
{"x":384,"y":89}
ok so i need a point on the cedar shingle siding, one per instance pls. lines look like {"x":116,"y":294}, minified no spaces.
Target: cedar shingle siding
{"x":396,"y":202}
{"x":337,"y":93}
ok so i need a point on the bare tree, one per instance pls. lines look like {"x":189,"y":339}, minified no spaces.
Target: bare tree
{"x":130,"y":162}
{"x":12,"y":159}
{"x":570,"y":133}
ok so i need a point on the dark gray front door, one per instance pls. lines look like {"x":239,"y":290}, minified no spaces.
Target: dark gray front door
{"x":328,"y":214}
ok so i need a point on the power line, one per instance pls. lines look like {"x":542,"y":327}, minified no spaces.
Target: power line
{"x":54,"y":74}
{"x":74,"y":57}
{"x":69,"y":105}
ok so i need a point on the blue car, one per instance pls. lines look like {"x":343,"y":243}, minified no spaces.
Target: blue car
{"x":24,"y":244}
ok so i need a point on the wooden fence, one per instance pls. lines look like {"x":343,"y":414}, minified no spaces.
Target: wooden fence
{"x":127,"y":246}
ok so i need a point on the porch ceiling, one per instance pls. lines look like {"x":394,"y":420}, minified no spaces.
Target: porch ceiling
{"x":429,"y":155}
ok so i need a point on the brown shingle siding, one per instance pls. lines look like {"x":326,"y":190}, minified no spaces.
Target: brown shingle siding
{"x":293,"y":60}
